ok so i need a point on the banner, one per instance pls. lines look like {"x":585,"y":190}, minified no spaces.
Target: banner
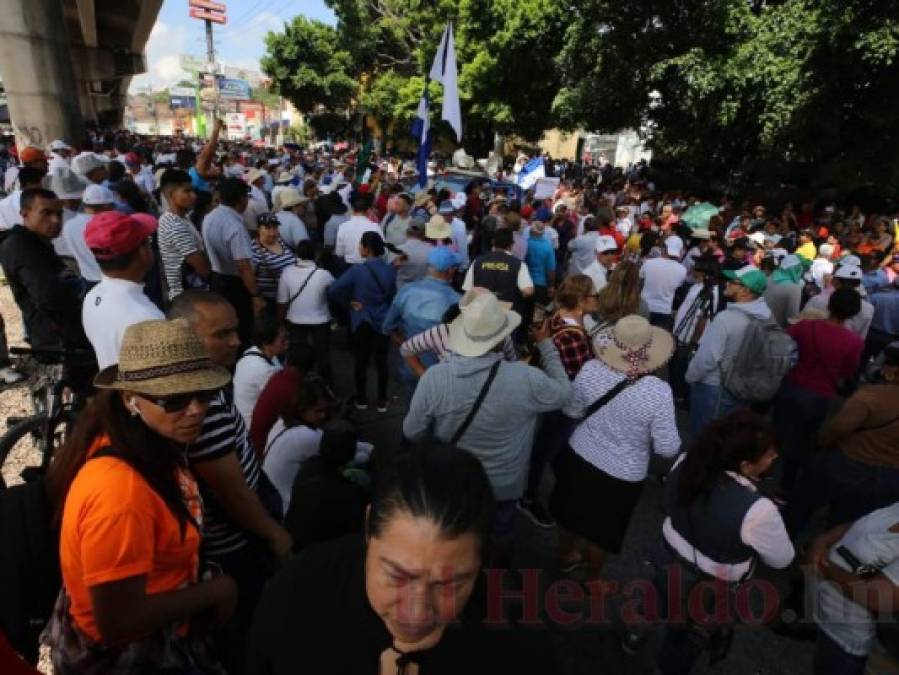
{"x":545,"y":188}
{"x":236,"y":124}
{"x":181,"y":91}
{"x":234,"y":89}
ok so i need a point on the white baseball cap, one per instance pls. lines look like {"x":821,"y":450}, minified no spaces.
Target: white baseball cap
{"x":97,"y":195}
{"x":848,"y":272}
{"x":459,"y":201}
{"x":758,"y":238}
{"x":674,"y":246}
{"x":850,"y":261}
{"x":59,"y":145}
{"x":604,"y":244}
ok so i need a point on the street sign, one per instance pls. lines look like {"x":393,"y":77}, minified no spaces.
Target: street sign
{"x":208,"y":11}
{"x":208,"y":5}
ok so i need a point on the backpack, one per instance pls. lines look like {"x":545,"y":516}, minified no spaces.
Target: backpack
{"x":765,"y":355}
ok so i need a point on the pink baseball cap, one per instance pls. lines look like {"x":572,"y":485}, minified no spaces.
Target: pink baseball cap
{"x":111,"y":234}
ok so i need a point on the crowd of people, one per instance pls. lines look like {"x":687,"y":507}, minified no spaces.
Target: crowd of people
{"x":218,"y":512}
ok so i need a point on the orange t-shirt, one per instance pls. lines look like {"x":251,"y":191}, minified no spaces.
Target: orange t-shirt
{"x":115,"y":526}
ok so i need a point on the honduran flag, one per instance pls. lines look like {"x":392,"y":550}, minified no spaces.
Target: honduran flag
{"x":421,"y":131}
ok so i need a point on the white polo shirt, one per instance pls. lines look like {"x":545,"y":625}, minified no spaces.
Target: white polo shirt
{"x":110,"y":307}
{"x":311,"y":306}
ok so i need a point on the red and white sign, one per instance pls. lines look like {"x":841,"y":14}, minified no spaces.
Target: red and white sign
{"x":208,"y":11}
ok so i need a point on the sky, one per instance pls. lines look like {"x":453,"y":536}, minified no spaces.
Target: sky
{"x":239,"y":43}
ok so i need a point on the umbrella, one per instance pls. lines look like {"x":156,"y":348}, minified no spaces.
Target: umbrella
{"x":697,"y":216}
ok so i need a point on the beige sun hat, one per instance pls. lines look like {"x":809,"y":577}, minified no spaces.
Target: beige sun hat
{"x":481,"y":325}
{"x":289,"y":198}
{"x":634,"y":347}
{"x":162,"y":358}
{"x":437,"y":228}
{"x":422,"y":198}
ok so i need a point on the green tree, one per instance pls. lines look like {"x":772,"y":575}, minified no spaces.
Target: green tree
{"x":796,"y":91}
{"x":308,"y":66}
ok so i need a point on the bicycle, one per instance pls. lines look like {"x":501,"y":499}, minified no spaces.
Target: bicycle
{"x":56,"y":403}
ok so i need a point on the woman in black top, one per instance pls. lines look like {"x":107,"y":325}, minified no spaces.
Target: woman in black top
{"x":400,"y":599}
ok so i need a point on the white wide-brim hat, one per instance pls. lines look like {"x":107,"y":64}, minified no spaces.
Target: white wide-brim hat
{"x":482,"y":324}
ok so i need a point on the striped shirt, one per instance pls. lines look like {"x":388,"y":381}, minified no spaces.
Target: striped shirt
{"x":618,"y":438}
{"x":178,"y":238}
{"x":436,"y":341}
{"x":223,"y":432}
{"x":269,"y":265}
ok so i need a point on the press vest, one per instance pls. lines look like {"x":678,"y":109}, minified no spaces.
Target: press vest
{"x":498,"y":271}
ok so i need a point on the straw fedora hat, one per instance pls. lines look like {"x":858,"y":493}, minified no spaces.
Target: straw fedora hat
{"x":634,"y":347}
{"x":422,"y":198}
{"x":482,"y":324}
{"x":437,"y":228}
{"x":162,"y":358}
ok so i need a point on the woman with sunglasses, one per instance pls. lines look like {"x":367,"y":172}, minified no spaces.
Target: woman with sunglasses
{"x":132,"y":598}
{"x":271,"y":256}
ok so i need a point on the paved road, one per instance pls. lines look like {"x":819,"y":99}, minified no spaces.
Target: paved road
{"x":586,"y":647}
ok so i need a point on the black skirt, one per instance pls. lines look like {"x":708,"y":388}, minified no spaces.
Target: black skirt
{"x":589,"y":502}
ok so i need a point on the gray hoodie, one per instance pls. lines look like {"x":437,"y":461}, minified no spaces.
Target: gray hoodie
{"x":502,"y":432}
{"x":721,"y":340}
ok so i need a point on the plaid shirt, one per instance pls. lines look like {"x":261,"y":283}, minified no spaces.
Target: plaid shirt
{"x":573,"y":344}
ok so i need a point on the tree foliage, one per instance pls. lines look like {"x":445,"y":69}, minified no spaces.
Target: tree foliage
{"x":797,"y":91}
{"x":308,"y":65}
{"x":505,"y":50}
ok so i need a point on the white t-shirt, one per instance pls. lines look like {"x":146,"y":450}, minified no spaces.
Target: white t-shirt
{"x":661,"y":278}
{"x":9,"y":210}
{"x":598,"y":273}
{"x":72,"y":237}
{"x":869,"y":539}
{"x":286,"y":450}
{"x":110,"y":307}
{"x":311,"y":306}
{"x":350,"y":234}
{"x":250,"y":377}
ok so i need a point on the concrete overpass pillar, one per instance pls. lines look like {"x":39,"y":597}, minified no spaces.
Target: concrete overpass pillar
{"x":35,"y":62}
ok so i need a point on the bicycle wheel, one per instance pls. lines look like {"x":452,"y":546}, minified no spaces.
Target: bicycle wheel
{"x":24,"y":445}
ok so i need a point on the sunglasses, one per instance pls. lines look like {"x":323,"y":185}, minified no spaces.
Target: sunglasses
{"x":179,"y":402}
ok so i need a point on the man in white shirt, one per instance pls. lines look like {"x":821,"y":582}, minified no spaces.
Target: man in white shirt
{"x":91,"y":167}
{"x":96,"y":200}
{"x":303,"y":306}
{"x":662,"y":277}
{"x":458,"y":232}
{"x":257,"y":203}
{"x":60,"y":153}
{"x":121,"y":245}
{"x":30,"y":156}
{"x":598,"y":270}
{"x":10,"y":206}
{"x":350,"y":233}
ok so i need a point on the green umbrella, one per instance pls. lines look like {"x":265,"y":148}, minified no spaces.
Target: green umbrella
{"x":697,"y":216}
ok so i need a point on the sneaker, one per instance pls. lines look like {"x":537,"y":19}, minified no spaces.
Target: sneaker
{"x":10,"y":376}
{"x":360,"y":404}
{"x":535,"y":512}
{"x":383,"y":404}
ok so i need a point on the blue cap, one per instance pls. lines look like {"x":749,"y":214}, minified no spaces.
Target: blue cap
{"x":544,"y":215}
{"x":441,"y":259}
{"x":446,"y":206}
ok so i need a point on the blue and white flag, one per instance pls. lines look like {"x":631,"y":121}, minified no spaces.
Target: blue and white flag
{"x":421,"y":131}
{"x":530,"y":172}
{"x":445,"y":71}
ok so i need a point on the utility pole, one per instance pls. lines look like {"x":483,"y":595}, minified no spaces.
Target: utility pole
{"x":210,"y":57}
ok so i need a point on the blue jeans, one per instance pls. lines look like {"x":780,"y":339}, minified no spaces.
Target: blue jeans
{"x":708,"y":402}
{"x":551,"y":438}
{"x":831,"y":659}
{"x":850,"y":488}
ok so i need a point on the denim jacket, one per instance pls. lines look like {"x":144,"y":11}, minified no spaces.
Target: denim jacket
{"x":373,"y":284}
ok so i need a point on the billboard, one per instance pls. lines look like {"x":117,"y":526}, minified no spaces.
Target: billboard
{"x":234,"y":89}
{"x":182,"y":102}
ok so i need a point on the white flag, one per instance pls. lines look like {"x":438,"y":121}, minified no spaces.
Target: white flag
{"x":445,"y":71}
